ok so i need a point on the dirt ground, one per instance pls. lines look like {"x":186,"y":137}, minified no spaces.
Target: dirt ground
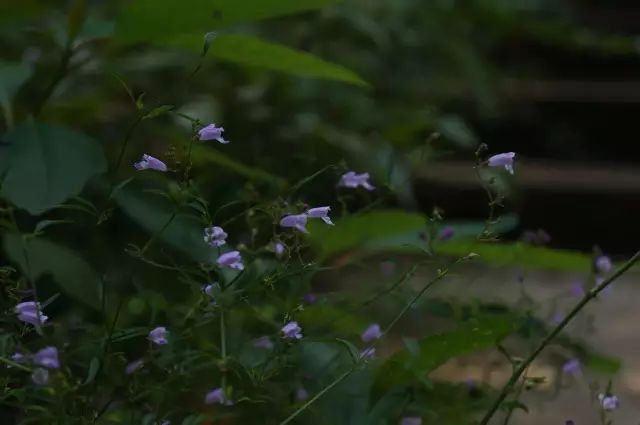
{"x":610,"y":325}
{"x":614,"y":331}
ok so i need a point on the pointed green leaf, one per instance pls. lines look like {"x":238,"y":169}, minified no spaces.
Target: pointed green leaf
{"x":160,"y":20}
{"x":519,"y":254}
{"x":251,"y":51}
{"x":479,"y":334}
{"x":70,"y":271}
{"x":45,"y":164}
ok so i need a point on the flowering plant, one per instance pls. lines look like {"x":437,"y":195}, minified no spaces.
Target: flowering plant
{"x":137,"y":289}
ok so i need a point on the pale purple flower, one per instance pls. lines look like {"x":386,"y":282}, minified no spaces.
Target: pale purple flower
{"x":150,"y":163}
{"x":211,"y":132}
{"x":216,"y":396}
{"x":503,"y":160}
{"x":40,"y":376}
{"x":447,"y":233}
{"x":411,"y":420}
{"x":279,"y":249}
{"x":301,"y":394}
{"x":159,"y":335}
{"x":608,"y":402}
{"x":47,"y":357}
{"x":134,"y":366}
{"x":572,"y":367}
{"x":30,"y":312}
{"x":603,"y":264}
{"x":215,"y":236}
{"x":368,"y":353}
{"x":353,"y":180}
{"x":292,"y":330}
{"x":264,"y":343}
{"x":20,"y":358}
{"x":371,"y":333}
{"x":231,"y":259}
{"x":577,"y":290}
{"x":320,"y":212}
{"x":208,"y":289}
{"x":309,"y":298}
{"x":296,"y":221}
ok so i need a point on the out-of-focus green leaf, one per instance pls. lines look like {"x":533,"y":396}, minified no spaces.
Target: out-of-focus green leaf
{"x":388,"y":230}
{"x":76,"y":18}
{"x":519,"y":254}
{"x":374,"y":230}
{"x":161,"y":20}
{"x":12,"y":76}
{"x":70,"y":271}
{"x":153,"y":212}
{"x":205,"y":156}
{"x":602,"y":364}
{"x":454,"y":129}
{"x":45,"y":164}
{"x":94,"y":367}
{"x":476,"y":335}
{"x":251,"y":51}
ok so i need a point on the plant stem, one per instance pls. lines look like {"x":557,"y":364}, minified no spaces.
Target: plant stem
{"x":317,"y":396}
{"x":14,"y":364}
{"x":441,"y":274}
{"x":60,"y":73}
{"x":593,"y":293}
{"x":223,"y":352}
{"x":159,"y":233}
{"x":125,"y":142}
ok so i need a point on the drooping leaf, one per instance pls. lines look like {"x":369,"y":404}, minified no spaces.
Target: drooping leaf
{"x":70,"y":271}
{"x":12,"y":76}
{"x":183,"y":232}
{"x":390,"y":230}
{"x":478,"y":334}
{"x":45,"y":164}
{"x":205,"y":156}
{"x":252,"y":51}
{"x":161,"y":20}
{"x":519,"y":254}
{"x":379,"y":229}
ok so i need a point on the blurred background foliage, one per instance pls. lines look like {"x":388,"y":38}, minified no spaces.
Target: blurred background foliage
{"x":306,"y":89}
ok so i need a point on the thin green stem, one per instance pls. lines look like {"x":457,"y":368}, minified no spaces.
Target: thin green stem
{"x":60,"y":74}
{"x":125,"y":142}
{"x":14,"y":364}
{"x":320,"y":394}
{"x":441,"y":274}
{"x":159,"y":233}
{"x":223,"y":351}
{"x":593,"y":293}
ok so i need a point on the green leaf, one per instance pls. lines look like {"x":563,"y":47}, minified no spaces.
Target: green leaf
{"x":206,"y":156}
{"x":12,"y":76}
{"x":153,"y":212}
{"x":478,"y":334}
{"x":70,"y":271}
{"x":252,"y":51}
{"x":388,"y":230}
{"x":76,"y":18}
{"x":519,"y":254}
{"x":374,"y":230}
{"x":161,"y":20}
{"x":158,"y":111}
{"x":45,"y":165}
{"x":94,"y":367}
